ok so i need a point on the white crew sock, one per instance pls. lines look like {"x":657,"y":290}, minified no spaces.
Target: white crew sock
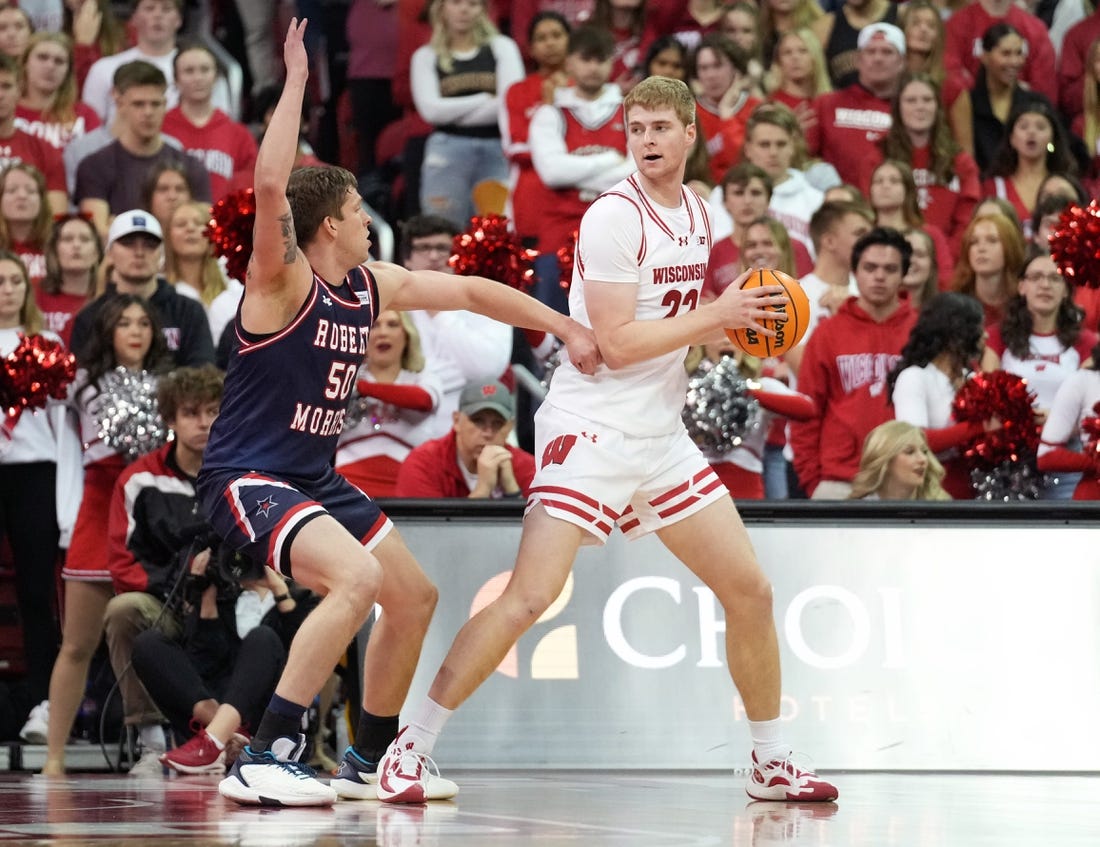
{"x":152,"y":737}
{"x":424,"y":726}
{"x":767,"y":740}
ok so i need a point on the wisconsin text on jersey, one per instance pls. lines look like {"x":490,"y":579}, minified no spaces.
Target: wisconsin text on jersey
{"x":679,"y":273}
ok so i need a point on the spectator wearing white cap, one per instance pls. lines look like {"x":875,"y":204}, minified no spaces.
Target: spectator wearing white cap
{"x":472,"y":460}
{"x":133,"y":257}
{"x":839,"y":32}
{"x":851,"y":122}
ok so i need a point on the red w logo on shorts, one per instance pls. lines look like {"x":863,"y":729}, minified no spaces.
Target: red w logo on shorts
{"x":558,"y":449}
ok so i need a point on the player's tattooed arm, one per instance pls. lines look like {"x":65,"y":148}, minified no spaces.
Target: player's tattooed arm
{"x":290,"y":241}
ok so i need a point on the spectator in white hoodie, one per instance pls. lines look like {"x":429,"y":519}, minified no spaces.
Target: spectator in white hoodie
{"x":578,"y":148}
{"x":774,"y":142}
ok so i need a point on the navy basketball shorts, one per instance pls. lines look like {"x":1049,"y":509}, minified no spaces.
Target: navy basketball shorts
{"x":260,"y":514}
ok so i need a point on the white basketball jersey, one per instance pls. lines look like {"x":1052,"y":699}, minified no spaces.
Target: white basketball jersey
{"x":625,"y":237}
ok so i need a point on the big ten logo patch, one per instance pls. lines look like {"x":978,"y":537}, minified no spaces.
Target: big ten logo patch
{"x":555,"y":654}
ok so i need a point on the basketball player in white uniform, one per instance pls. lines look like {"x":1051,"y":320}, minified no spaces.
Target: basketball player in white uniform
{"x":611,"y":449}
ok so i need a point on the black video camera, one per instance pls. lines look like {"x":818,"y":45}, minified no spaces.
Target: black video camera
{"x":229,"y":567}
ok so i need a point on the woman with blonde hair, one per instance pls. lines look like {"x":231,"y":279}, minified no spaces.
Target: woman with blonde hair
{"x":459,"y":81}
{"x":778,"y":17}
{"x":925,"y":35}
{"x":798,"y":73}
{"x":190,"y":265}
{"x":391,"y":408}
{"x":897,"y":465}
{"x":25,"y":217}
{"x":767,"y":245}
{"x":50,"y":106}
{"x":991,"y":255}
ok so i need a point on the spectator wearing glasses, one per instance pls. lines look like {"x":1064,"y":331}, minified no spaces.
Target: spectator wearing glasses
{"x":461,"y":346}
{"x":1041,"y":340}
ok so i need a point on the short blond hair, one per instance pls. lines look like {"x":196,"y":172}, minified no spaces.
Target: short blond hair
{"x":658,"y":92}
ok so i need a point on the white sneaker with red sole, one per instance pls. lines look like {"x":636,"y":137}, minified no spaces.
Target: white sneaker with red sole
{"x":782,"y":779}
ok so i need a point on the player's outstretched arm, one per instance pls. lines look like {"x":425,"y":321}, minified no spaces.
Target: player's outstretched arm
{"x":624,"y":340}
{"x":404,"y":289}
{"x":276,"y":262}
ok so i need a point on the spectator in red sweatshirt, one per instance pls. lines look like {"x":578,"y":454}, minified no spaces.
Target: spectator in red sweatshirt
{"x":851,"y":122}
{"x":845,"y":365}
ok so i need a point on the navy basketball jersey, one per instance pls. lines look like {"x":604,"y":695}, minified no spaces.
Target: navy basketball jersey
{"x":286,"y":392}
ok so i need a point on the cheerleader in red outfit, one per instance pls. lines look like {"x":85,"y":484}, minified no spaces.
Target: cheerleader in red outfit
{"x":1077,"y":400}
{"x":391,"y":409}
{"x":38,"y":458}
{"x":943,"y":346}
{"x":742,"y":468}
{"x":127,"y":335}
{"x":1041,"y":339}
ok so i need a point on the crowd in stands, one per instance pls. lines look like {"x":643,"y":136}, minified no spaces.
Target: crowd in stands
{"x":906,"y":161}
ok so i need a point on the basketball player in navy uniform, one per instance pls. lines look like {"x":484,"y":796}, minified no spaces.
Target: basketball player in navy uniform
{"x":266,"y":483}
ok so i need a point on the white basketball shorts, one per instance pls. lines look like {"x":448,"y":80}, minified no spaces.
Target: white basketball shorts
{"x":595,"y":476}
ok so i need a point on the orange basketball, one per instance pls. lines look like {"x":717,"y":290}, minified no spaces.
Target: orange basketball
{"x":787,"y":333}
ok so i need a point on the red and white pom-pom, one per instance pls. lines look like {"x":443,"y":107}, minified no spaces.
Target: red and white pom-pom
{"x":230,"y":230}
{"x":37,"y":369}
{"x":567,"y":255}
{"x":1090,"y":433}
{"x":1075,"y":244}
{"x":489,"y":248}
{"x":1005,"y":396}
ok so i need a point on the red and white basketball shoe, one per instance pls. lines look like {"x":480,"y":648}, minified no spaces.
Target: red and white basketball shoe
{"x":782,"y":779}
{"x":403,"y":773}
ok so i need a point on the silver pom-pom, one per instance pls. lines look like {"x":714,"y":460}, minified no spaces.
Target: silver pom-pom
{"x":369,"y":409}
{"x":126,"y":411}
{"x":719,"y":412}
{"x":1008,"y":482}
{"x":551,"y":365}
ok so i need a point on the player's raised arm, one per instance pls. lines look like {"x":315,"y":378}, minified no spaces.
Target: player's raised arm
{"x":277,"y":264}
{"x":404,"y":289}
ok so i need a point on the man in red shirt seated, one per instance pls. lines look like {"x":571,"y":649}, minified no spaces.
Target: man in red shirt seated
{"x":472,"y":460}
